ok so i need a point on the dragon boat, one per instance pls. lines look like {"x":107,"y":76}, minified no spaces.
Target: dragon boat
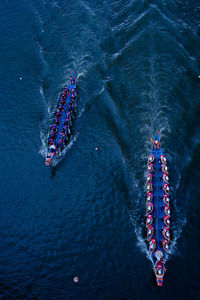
{"x":60,"y":129}
{"x":157,"y":209}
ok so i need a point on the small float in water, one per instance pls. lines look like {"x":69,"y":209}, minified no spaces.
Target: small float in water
{"x":60,"y":129}
{"x":158,"y":209}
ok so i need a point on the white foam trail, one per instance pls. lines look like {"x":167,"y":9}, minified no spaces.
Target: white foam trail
{"x":80,"y":75}
{"x":81,"y":112}
{"x":43,"y":149}
{"x":140,"y":240}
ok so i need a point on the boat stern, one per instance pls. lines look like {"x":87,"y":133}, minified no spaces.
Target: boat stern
{"x":159,"y":280}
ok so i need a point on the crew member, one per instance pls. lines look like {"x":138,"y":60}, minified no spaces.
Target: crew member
{"x":149,"y":177}
{"x":150,"y":159}
{"x":167,"y":210}
{"x":150,"y":168}
{"x":164,"y":168}
{"x":149,"y":197}
{"x":165,"y":199}
{"x":166,"y":220}
{"x":149,"y":187}
{"x":150,"y":232}
{"x":162,"y":159}
{"x":166,"y":233}
{"x":56,"y":120}
{"x":152,"y":245}
{"x":165,"y":178}
{"x":165,"y":245}
{"x":166,"y":188}
{"x":149,"y":220}
{"x":149,"y":208}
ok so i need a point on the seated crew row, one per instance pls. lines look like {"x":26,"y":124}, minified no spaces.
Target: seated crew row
{"x":164,"y":197}
{"x":164,"y":186}
{"x":165,"y":218}
{"x":165,"y":232}
{"x":162,"y":159}
{"x":150,"y":207}
{"x":164,"y":244}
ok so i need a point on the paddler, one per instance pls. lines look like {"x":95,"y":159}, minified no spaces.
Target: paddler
{"x":50,"y":141}
{"x":51,"y":134}
{"x":162,"y":159}
{"x":164,"y":168}
{"x":150,"y":232}
{"x":150,"y":159}
{"x":149,"y":187}
{"x":149,"y":220}
{"x":165,"y":178}
{"x":53,"y":127}
{"x":166,"y":220}
{"x":152,"y":245}
{"x":166,"y":233}
{"x":166,"y":188}
{"x":167,"y":210}
{"x":149,"y":177}
{"x":149,"y":197}
{"x":150,"y":168}
{"x":165,"y":245}
{"x":165,"y":199}
{"x":149,"y":208}
{"x":56,"y":121}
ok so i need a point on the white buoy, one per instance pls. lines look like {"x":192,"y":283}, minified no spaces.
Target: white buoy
{"x":96,"y":148}
{"x":76,"y":279}
{"x":199,"y":76}
{"x":20,"y":78}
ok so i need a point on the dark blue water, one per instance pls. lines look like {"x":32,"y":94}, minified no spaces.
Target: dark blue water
{"x":137,"y":64}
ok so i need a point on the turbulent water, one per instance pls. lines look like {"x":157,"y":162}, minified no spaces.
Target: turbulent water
{"x":138,"y":69}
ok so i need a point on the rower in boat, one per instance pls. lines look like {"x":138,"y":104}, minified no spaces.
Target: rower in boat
{"x":51,"y":134}
{"x":150,"y":232}
{"x":165,"y":178}
{"x":149,"y":220}
{"x":56,"y":121}
{"x":150,"y":168}
{"x":150,"y":159}
{"x":50,"y":141}
{"x":149,"y":177}
{"x":166,"y":233}
{"x":149,"y":208}
{"x":165,"y":245}
{"x":149,"y":196}
{"x":164,"y":168}
{"x":166,"y":220}
{"x":165,"y":199}
{"x":149,"y":187}
{"x":166,"y":188}
{"x":152,"y":245}
{"x":167,"y":210}
{"x":162,"y":159}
